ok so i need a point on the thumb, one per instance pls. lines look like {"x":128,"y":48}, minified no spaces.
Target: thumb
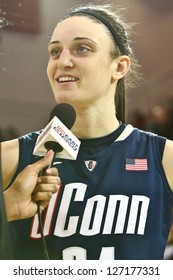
{"x":44,"y":162}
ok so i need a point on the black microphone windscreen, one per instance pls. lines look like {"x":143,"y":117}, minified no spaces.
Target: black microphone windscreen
{"x":65,"y":113}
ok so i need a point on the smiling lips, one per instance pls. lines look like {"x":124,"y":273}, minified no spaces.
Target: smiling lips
{"x":66,"y":79}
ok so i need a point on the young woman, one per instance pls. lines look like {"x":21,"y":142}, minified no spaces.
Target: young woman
{"x":116,"y":199}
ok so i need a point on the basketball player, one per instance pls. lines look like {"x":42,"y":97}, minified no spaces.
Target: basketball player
{"x":118,"y":207}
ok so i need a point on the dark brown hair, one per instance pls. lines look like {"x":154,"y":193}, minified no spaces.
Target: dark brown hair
{"x":120,"y":33}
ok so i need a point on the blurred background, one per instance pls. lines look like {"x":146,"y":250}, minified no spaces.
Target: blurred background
{"x":25,"y":95}
{"x":26,"y":99}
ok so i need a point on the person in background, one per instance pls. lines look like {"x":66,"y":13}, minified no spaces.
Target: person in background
{"x":121,"y":207}
{"x":160,"y":120}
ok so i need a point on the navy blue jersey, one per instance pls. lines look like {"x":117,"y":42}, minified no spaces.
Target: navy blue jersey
{"x":113,"y":204}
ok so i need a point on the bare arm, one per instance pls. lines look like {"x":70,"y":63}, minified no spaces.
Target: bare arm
{"x":9,"y":160}
{"x":168,"y":162}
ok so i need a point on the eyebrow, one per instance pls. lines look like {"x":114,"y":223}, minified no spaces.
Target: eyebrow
{"x":75,"y":39}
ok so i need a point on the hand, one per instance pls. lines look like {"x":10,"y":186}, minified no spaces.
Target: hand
{"x":46,"y":186}
{"x":28,"y":187}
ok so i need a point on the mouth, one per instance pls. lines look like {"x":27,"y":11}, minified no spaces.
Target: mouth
{"x":66,"y":79}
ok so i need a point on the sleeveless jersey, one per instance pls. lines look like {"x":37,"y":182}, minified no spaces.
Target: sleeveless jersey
{"x":114,"y":204}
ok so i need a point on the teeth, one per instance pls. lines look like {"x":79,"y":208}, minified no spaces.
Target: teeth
{"x":66,"y":79}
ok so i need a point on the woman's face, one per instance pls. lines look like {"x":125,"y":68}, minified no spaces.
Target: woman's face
{"x":80,"y":68}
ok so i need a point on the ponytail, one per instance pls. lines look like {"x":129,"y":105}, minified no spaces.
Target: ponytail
{"x":120,"y":101}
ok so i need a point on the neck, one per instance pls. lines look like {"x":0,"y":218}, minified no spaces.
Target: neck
{"x":95,"y":122}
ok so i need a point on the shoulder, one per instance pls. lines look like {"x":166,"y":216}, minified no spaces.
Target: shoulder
{"x":26,"y":147}
{"x":168,"y":161}
{"x":161,"y":146}
{"x":146,"y":140}
{"x":27,"y":142}
{"x":30,"y":137}
{"x":10,"y":154}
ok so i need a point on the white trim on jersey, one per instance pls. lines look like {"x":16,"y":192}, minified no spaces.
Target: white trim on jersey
{"x":126,"y":132}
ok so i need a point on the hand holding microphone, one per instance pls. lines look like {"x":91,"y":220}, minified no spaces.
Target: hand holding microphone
{"x":20,"y":198}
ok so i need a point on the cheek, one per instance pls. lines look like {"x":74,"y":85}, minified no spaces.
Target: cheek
{"x":50,"y":69}
{"x":102,"y":74}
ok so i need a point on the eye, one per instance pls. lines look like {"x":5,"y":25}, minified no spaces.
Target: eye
{"x":55,"y":52}
{"x":83,"y":49}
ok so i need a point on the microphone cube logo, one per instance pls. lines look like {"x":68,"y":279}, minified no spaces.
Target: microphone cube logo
{"x":66,"y":137}
{"x":56,"y":131}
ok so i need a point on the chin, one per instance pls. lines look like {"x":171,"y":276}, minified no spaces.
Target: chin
{"x":63,"y":99}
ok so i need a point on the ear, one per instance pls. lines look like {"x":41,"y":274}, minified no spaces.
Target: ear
{"x":121,"y":66}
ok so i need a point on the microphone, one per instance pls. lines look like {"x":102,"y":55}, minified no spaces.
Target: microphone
{"x":65,"y":112}
{"x":57,"y":135}
{"x":67,"y":115}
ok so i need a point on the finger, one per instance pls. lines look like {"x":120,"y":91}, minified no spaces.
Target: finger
{"x":47,"y":188}
{"x":52,"y":171}
{"x":42,"y":196}
{"x":44,"y":162}
{"x":49,"y":180}
{"x":43,"y":205}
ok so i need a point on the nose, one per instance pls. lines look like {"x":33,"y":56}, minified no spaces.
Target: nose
{"x":65,"y":60}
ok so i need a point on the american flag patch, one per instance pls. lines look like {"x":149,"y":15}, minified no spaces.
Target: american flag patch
{"x":136,"y":164}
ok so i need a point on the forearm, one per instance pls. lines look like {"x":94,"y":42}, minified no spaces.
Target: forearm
{"x":11,"y":206}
